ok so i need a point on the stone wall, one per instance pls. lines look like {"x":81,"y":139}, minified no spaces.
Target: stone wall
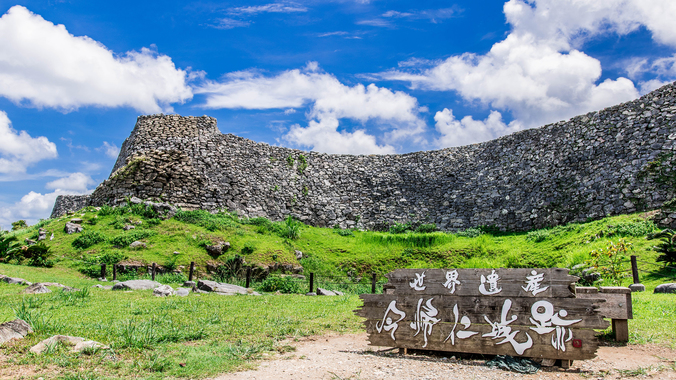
{"x":67,"y":203}
{"x":618,"y":160}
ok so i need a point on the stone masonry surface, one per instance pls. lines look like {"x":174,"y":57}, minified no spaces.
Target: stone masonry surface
{"x":614,"y":161}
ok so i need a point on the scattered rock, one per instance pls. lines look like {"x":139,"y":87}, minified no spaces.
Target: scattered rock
{"x":16,"y":329}
{"x":89,"y":346}
{"x":637,"y":287}
{"x":76,"y":220}
{"x":137,"y":245}
{"x":218,"y":249}
{"x":37,"y":288}
{"x":189,"y":284}
{"x":71,"y":228}
{"x":56,"y":339}
{"x":163,"y":291}
{"x":14,"y":280}
{"x":182,"y":292}
{"x":325,"y":292}
{"x":51,"y":237}
{"x":136,"y":285}
{"x":299,"y":255}
{"x":135,"y":200}
{"x":128,"y":227}
{"x":311,"y":294}
{"x":30,"y":242}
{"x":666,"y":288}
{"x":177,"y":253}
{"x":42,"y":234}
{"x":103,"y":287}
{"x":223,"y":289}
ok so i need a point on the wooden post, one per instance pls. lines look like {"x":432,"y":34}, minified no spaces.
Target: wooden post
{"x":634,"y":270}
{"x":312,"y":282}
{"x":373,"y":283}
{"x":103,"y":271}
{"x":153,"y":272}
{"x":621,"y":329}
{"x":114,"y":272}
{"x":248,"y":277}
{"x":192,"y":270}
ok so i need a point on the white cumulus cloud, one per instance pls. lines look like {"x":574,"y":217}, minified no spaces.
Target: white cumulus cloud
{"x":109,"y":149}
{"x":539,"y":73}
{"x":18,"y":150}
{"x":467,"y":131}
{"x":328,"y":100}
{"x":34,"y":206}
{"x":43,"y":65}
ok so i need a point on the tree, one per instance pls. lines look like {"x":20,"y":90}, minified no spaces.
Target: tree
{"x":19,"y":224}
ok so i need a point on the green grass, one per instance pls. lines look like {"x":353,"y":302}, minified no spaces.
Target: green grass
{"x":151,"y":337}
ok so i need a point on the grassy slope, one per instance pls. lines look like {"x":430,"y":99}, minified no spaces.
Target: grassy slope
{"x":210,"y":334}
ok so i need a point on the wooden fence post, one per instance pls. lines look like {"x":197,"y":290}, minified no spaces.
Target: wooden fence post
{"x":312,"y":282}
{"x":373,"y":284}
{"x":248,"y":277}
{"x":192,"y":270}
{"x":636,"y":286}
{"x":153,"y":271}
{"x":103,"y":271}
{"x":114,"y":272}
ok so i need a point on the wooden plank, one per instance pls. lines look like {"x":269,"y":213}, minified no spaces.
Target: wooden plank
{"x":541,"y":346}
{"x":555,"y":283}
{"x":617,"y":305}
{"x":475,"y":308}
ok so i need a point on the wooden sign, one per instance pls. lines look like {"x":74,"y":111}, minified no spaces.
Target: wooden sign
{"x":517,"y":312}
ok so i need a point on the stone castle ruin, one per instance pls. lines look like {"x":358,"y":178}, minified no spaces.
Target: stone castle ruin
{"x":614,"y":161}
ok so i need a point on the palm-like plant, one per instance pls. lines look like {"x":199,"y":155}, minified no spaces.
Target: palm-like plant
{"x":667,"y":247}
{"x":9,"y":246}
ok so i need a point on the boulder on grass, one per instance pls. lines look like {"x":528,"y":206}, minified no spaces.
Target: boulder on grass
{"x":72,"y":228}
{"x":56,"y":339}
{"x":89,"y":346}
{"x":16,"y":329}
{"x":137,"y":245}
{"x":42,"y":287}
{"x":666,"y":288}
{"x":163,"y":291}
{"x":325,"y":292}
{"x":136,"y":285}
{"x":14,"y":280}
{"x":223,"y":289}
{"x":182,"y":292}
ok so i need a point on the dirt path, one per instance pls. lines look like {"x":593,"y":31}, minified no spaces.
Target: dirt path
{"x":349,"y":357}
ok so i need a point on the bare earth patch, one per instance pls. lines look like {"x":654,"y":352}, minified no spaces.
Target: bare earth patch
{"x":349,"y":357}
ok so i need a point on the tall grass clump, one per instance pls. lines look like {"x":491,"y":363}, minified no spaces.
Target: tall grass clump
{"x":415,"y":240}
{"x":88,"y":238}
{"x":212,"y":222}
{"x":635,"y":229}
{"x":131,"y":236}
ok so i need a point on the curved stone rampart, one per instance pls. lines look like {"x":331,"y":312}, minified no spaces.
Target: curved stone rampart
{"x":614,"y":161}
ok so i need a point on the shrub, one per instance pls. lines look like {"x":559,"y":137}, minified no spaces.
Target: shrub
{"x":471,"y":232}
{"x":38,"y":255}
{"x":87,"y":239}
{"x":538,"y":235}
{"x":426,"y":228}
{"x":9,"y":247}
{"x":399,"y":228}
{"x":636,"y":229}
{"x":211,"y":222}
{"x":19,"y":225}
{"x":667,"y":247}
{"x":124,"y":239}
{"x":609,"y":261}
{"x":290,"y":229}
{"x":282,"y":284}
{"x":107,"y":210}
{"x":342,"y":232}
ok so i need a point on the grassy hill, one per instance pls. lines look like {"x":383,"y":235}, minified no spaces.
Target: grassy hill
{"x":206,"y":334}
{"x":349,"y":255}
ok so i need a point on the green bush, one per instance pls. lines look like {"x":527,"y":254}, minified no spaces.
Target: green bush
{"x":399,"y":228}
{"x":124,"y":239}
{"x":282,"y":284}
{"x":248,"y":248}
{"x":342,"y":232}
{"x":426,"y":228}
{"x":470,"y":232}
{"x":211,"y":222}
{"x":538,"y":235}
{"x":107,"y":210}
{"x":9,"y":247}
{"x":19,"y":225}
{"x":87,"y":239}
{"x":667,"y":248}
{"x":38,"y":255}
{"x":635,"y":229}
{"x":290,"y":229}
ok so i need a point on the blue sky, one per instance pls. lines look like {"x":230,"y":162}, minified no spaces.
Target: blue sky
{"x":343,"y":76}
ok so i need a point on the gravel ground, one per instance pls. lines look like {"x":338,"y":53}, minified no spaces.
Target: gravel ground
{"x":349,"y":357}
